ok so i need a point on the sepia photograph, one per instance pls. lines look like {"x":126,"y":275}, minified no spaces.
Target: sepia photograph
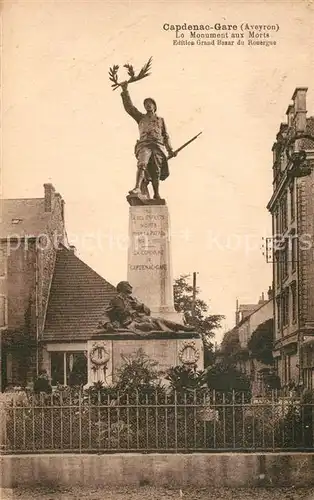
{"x":157,"y":249}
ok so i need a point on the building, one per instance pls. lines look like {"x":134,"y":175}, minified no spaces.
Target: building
{"x":292,"y":210}
{"x":262,"y":314}
{"x":248,"y":318}
{"x":50,"y":301}
{"x":254,"y":316}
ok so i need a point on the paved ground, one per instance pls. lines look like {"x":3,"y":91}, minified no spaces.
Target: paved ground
{"x":150,"y":493}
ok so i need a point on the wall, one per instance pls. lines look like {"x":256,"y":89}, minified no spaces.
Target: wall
{"x":261,"y":315}
{"x":244,"y":333}
{"x":55,"y":234}
{"x":174,"y":470}
{"x":306,"y":219}
{"x":21,"y":286}
{"x":258,"y":317}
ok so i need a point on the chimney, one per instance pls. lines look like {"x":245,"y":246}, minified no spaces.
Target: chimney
{"x":57,"y":196}
{"x":73,"y":249}
{"x":290,"y":115}
{"x":237,"y":313}
{"x":299,"y":101}
{"x":49,"y":197}
{"x":270,"y":293}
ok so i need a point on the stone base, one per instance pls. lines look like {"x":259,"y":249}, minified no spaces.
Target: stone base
{"x":139,"y":199}
{"x":161,"y":470}
{"x":149,"y":257}
{"x":168,"y":349}
{"x":169,"y":314}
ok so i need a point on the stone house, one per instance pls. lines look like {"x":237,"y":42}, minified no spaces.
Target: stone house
{"x":248,"y":318}
{"x":50,"y":301}
{"x":252,"y":367}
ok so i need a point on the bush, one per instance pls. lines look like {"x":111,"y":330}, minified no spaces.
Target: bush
{"x":138,"y":373}
{"x":184,"y":378}
{"x":226,"y":378}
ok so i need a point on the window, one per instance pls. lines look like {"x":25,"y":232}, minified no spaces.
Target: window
{"x":278,"y":270}
{"x":285,"y":258}
{"x":278,"y":312}
{"x":308,"y":358}
{"x":2,"y":263}
{"x":16,"y":221}
{"x":277,"y":223}
{"x":294,"y":251}
{"x":294,"y":304}
{"x":292,"y":202}
{"x":308,"y":375}
{"x":57,"y":368}
{"x":276,"y":366}
{"x":3,"y":315}
{"x":287,"y":368}
{"x":285,"y":307}
{"x":284,"y":218}
{"x":282,"y":160}
{"x":68,"y":368}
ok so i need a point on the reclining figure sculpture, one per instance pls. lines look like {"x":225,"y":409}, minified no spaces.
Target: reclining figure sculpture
{"x":126,"y":313}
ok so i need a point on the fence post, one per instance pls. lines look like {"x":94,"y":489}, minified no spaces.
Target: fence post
{"x":175,"y":422}
{"x":80,"y":421}
{"x":3,"y":424}
{"x":312,"y":420}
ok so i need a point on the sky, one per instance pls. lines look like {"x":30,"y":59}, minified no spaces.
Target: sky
{"x":62,"y":123}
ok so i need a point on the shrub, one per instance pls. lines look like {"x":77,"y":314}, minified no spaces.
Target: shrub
{"x":138,"y":373}
{"x":226,"y":378}
{"x":184,"y":378}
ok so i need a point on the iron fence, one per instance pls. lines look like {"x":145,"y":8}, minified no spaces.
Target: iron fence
{"x":193,"y":421}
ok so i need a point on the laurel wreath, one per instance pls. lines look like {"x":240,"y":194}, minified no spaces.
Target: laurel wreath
{"x":144,"y":72}
{"x":95,"y":360}
{"x":184,"y":348}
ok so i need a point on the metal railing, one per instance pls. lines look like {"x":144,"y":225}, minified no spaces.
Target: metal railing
{"x":193,"y":421}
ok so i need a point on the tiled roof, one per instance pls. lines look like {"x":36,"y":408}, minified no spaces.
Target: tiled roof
{"x":78,"y":296}
{"x":307,"y":143}
{"x":23,"y":217}
{"x":247,"y":307}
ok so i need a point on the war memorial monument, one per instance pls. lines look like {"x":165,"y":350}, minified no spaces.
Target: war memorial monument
{"x":142,"y":315}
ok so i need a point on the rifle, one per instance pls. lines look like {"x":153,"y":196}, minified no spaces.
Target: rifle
{"x":184,"y":145}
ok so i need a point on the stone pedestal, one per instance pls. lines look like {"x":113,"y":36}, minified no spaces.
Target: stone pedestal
{"x":107,"y":353}
{"x":149,"y":259}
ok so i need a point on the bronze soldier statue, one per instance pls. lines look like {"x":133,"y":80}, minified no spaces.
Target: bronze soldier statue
{"x":126,"y":313}
{"x":153,"y":149}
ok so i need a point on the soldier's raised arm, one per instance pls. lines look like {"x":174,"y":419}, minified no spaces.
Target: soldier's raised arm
{"x":128,"y":104}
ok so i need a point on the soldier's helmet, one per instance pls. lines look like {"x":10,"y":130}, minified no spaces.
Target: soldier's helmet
{"x":124,"y":286}
{"x":151,"y":100}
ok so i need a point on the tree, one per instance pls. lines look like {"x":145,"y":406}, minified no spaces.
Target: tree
{"x":205,"y":324}
{"x":230,"y":344}
{"x":231,"y":350}
{"x":261,"y":342}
